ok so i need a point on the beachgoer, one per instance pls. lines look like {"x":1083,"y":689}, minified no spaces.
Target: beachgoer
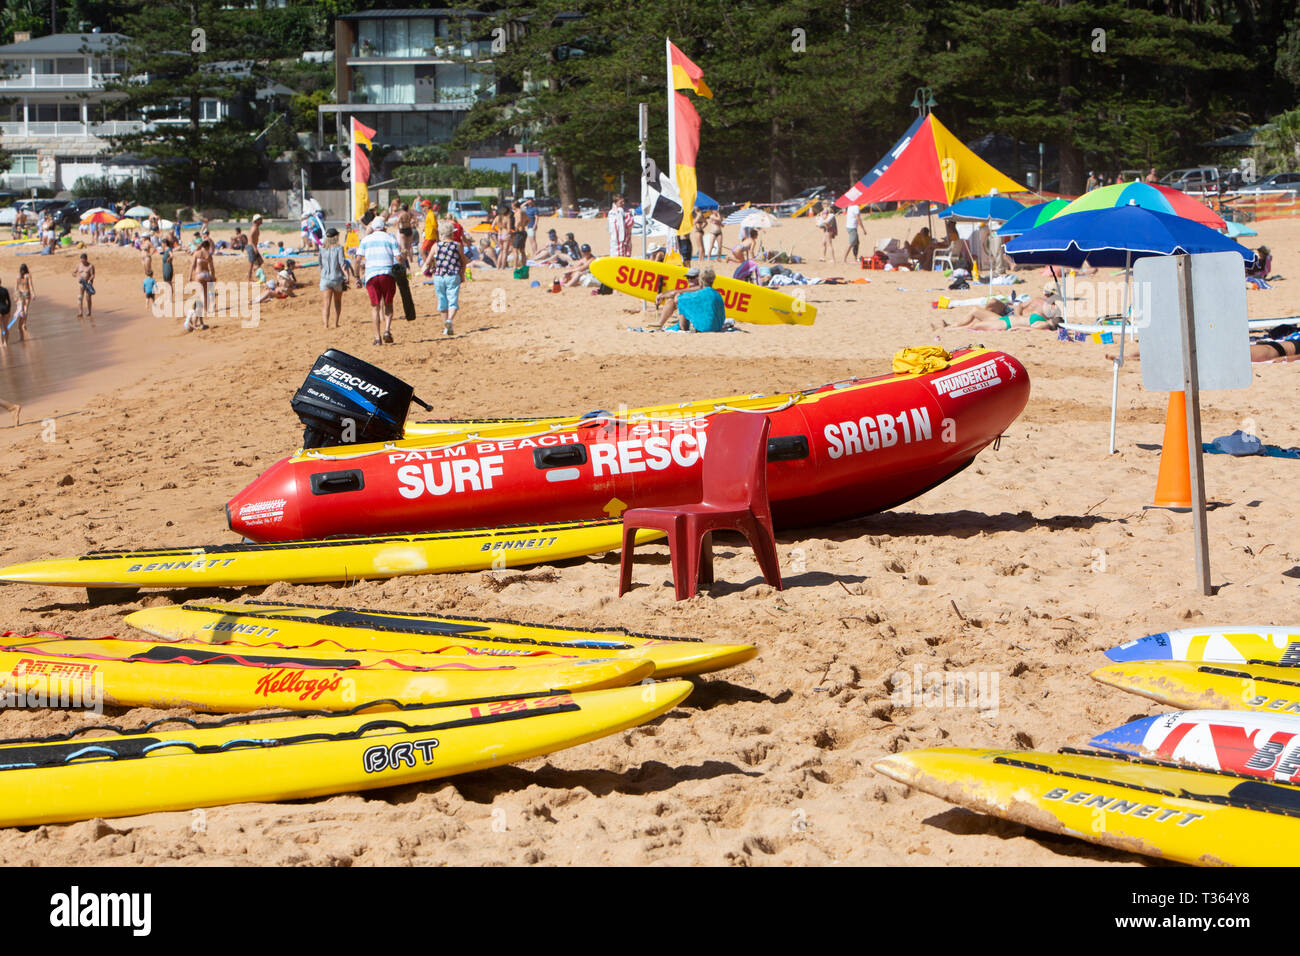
{"x":149,"y":286}
{"x":1040,"y":312}
{"x":6,"y":306}
{"x":620,"y":229}
{"x":405,"y":230}
{"x":26,"y":292}
{"x":852,"y":214}
{"x":702,"y":310}
{"x":830,"y":229}
{"x":712,"y":248}
{"x":251,"y":251}
{"x":202,"y":272}
{"x":570,"y":247}
{"x":448,"y":268}
{"x":429,"y":231}
{"x":580,"y":272}
{"x":85,"y":275}
{"x":20,"y":224}
{"x":503,"y":225}
{"x":334,"y":272}
{"x":482,"y":257}
{"x":530,"y":212}
{"x":379,"y":252}
{"x":1152,"y":177}
{"x":518,"y":235}
{"x":13,"y":408}
{"x":238,"y":241}
{"x":666,"y":302}
{"x":744,"y":250}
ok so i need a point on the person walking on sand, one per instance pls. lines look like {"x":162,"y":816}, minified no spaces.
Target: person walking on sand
{"x":518,"y":236}
{"x":830,"y":229}
{"x":335,"y":270}
{"x":448,"y":269}
{"x":379,"y":252}
{"x":852,"y":214}
{"x":251,"y":251}
{"x":26,"y":292}
{"x":85,"y":276}
{"x":5,"y":306}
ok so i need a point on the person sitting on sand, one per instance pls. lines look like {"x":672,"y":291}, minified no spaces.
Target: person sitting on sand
{"x":666,"y":302}
{"x":570,"y":247}
{"x":238,"y":241}
{"x":580,"y":272}
{"x":481,"y":257}
{"x":702,"y":310}
{"x":921,"y":248}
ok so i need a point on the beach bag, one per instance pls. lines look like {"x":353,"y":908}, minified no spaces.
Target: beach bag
{"x":521,"y":272}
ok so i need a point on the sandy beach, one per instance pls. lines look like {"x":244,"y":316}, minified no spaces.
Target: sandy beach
{"x":1019,"y":571}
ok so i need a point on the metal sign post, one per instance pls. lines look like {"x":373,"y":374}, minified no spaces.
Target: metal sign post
{"x":643,"y":134}
{"x":1194,"y":335}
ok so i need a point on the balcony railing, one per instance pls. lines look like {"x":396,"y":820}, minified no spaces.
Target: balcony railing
{"x":56,"y":81}
{"x":33,"y":129}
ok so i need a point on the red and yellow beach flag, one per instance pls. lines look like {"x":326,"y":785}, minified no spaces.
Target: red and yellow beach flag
{"x":361,"y":137}
{"x":684,"y":128}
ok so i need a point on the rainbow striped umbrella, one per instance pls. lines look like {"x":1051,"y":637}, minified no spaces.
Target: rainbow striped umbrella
{"x":1031,"y":218}
{"x":1151,"y":196}
{"x":99,"y":214}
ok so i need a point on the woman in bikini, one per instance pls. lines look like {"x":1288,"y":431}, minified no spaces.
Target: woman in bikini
{"x":1040,"y":312}
{"x":202,"y":272}
{"x":26,"y":292}
{"x":712,"y":246}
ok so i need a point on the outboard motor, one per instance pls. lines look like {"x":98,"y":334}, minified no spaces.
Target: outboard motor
{"x":347,"y":401}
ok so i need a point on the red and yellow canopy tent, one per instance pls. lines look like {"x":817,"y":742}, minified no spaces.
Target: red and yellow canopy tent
{"x":928,"y":163}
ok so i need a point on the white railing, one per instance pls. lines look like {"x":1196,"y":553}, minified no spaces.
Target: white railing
{"x":55,"y":129}
{"x":109,"y":128}
{"x":116,"y":127}
{"x":56,"y":81}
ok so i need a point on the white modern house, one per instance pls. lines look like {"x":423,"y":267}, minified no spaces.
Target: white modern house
{"x":55,"y":115}
{"x":411,"y":75}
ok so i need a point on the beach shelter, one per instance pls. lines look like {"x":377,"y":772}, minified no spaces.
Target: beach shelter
{"x":930,"y":163}
{"x":1116,"y":236}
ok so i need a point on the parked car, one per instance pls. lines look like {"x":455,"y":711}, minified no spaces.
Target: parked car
{"x":788,"y":207}
{"x":546,"y":205}
{"x":1283,"y":184}
{"x":1196,"y":179}
{"x":467,"y":209}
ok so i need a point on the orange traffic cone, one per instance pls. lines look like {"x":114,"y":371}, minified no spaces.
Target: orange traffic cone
{"x":1174,"y":483}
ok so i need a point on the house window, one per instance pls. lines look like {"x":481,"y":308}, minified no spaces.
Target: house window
{"x":209,"y":110}
{"x":24,"y":164}
{"x":70,"y":64}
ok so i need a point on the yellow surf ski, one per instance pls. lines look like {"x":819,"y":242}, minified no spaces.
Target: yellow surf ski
{"x":263,"y":624}
{"x":266,"y":759}
{"x":334,"y":559}
{"x":232,"y":680}
{"x":1142,"y":806}
{"x":742,"y":301}
{"x":1193,"y":686}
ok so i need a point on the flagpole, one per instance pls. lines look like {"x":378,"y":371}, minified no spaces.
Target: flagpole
{"x":643,"y":131}
{"x":352,"y":165}
{"x":672,"y":127}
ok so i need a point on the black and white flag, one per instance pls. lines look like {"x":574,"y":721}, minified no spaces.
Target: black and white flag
{"x":660,"y":198}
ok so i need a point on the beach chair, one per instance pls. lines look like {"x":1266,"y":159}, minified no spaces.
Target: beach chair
{"x":734,"y":497}
{"x":947,"y":257}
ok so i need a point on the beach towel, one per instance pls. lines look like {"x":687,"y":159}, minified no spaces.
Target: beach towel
{"x":920,"y":359}
{"x":1242,"y":444}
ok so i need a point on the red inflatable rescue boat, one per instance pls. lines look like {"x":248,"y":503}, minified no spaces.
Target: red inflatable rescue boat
{"x":836,"y":452}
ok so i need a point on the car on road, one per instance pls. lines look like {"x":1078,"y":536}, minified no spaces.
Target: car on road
{"x":546,"y":205}
{"x":1282,"y":184}
{"x":1196,"y":179}
{"x":467,"y":209}
{"x":789,"y":207}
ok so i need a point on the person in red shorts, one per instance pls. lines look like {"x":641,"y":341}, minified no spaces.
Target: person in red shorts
{"x":380,"y":252}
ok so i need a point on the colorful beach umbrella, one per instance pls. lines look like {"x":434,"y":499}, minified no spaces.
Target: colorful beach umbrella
{"x":127,"y":223}
{"x":140,"y":212}
{"x":1151,"y":196}
{"x":1235,"y":229}
{"x":983,"y":209}
{"x":1116,"y":237}
{"x":1031,"y":217}
{"x":99,"y":214}
{"x":930,"y":163}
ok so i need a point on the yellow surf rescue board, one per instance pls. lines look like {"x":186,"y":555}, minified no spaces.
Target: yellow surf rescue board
{"x":265,"y":624}
{"x":1190,"y":685}
{"x":332,"y":559}
{"x":266,"y":759}
{"x":1142,"y":806}
{"x":232,"y":680}
{"x":742,"y":301}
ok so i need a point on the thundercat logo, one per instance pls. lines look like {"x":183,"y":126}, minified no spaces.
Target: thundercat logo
{"x":975,"y":379}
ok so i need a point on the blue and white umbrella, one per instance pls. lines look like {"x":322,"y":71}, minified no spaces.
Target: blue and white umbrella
{"x":983,"y":209}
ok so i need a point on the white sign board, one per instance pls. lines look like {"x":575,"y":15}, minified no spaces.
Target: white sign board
{"x":1219,"y":308}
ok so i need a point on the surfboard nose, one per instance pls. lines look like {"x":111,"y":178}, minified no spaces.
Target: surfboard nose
{"x":1153,"y":647}
{"x":1126,"y":738}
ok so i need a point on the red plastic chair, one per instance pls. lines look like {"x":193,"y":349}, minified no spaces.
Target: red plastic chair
{"x":734,"y":485}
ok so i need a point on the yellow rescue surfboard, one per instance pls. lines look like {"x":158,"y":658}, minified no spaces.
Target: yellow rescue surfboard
{"x":1191,"y":685}
{"x":1142,"y":806}
{"x":233,"y":680}
{"x":743,"y":301}
{"x":265,"y":624}
{"x":332,"y":559}
{"x":267,"y":758}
